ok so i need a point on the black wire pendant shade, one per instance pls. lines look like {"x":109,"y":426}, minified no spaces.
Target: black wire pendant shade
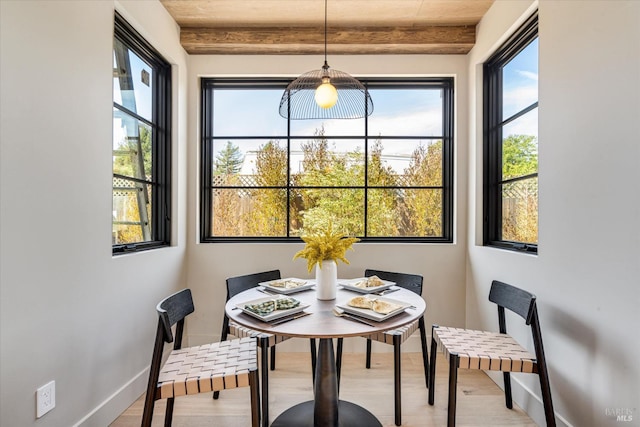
{"x":300,"y":102}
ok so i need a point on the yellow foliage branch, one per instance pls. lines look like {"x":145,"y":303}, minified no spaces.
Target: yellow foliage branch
{"x":324,"y":247}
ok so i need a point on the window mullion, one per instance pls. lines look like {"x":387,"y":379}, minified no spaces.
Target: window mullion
{"x":443,"y":220}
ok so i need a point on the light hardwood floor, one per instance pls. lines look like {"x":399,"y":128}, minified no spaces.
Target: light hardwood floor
{"x":480,"y":401}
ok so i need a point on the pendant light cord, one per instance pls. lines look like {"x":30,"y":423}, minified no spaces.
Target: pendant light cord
{"x":325,"y":32}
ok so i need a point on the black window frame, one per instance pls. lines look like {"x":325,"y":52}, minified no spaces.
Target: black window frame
{"x":160,"y":123}
{"x":493,"y":124}
{"x":208,"y":84}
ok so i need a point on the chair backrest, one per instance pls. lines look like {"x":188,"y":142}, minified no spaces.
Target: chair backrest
{"x":523,"y":304}
{"x":174,"y":309}
{"x":412,"y":282}
{"x":238,"y":284}
{"x":520,"y":302}
{"x":171,"y":311}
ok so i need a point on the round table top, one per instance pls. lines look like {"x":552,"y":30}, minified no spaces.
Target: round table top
{"x":322,"y":323}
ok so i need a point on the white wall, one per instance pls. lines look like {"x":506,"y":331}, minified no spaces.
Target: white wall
{"x":586,"y":275}
{"x":60,"y":314}
{"x":441,"y":265}
{"x":69,"y":311}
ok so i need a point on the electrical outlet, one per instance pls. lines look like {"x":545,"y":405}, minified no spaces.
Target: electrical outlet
{"x":45,"y":398}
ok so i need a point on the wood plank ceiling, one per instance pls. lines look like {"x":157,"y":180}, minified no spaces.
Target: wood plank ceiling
{"x":254,"y":27}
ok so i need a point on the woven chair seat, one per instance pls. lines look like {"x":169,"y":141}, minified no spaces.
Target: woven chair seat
{"x":494,"y":351}
{"x":491,"y":351}
{"x":209,"y":367}
{"x":386,"y":337}
{"x":244,"y":332}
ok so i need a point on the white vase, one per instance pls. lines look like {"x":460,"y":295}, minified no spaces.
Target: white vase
{"x":326,"y":280}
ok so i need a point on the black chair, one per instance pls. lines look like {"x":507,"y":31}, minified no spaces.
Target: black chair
{"x":469,"y":349}
{"x":396,"y":337}
{"x":236,"y":285}
{"x":193,"y":370}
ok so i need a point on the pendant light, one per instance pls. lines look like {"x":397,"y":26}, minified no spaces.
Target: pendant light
{"x":325,"y":93}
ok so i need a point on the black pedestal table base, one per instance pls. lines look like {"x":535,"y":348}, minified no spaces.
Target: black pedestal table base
{"x":326,"y":410}
{"x":349,"y":415}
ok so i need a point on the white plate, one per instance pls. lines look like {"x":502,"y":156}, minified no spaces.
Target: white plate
{"x":351,"y":285}
{"x":372,"y":315}
{"x":276,"y":314}
{"x":303,"y":285}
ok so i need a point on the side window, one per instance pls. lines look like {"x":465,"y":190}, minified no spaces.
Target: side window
{"x":141,"y":143}
{"x":511,"y":142}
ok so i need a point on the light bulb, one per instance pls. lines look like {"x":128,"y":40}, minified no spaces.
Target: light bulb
{"x":326,"y":94}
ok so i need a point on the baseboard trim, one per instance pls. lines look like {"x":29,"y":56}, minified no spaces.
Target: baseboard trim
{"x":525,"y":398}
{"x":113,"y":406}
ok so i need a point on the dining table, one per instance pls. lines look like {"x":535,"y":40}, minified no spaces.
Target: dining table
{"x":318,"y":320}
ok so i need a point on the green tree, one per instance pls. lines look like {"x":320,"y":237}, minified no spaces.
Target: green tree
{"x":520,"y":198}
{"x":229,"y":160}
{"x":422,"y":208}
{"x":318,"y":197}
{"x":267,"y":214}
{"x":382,"y":203}
{"x":519,"y":156}
{"x":126,"y":161}
{"x":227,"y":205}
{"x":318,"y":207}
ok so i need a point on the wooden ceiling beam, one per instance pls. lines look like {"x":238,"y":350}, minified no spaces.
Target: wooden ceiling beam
{"x":309,"y":40}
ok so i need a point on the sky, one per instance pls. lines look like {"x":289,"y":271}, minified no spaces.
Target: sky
{"x":416,"y":112}
{"x":396,"y":112}
{"x":138,"y":100}
{"x":520,"y":81}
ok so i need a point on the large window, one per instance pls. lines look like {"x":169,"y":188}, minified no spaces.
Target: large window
{"x":141,"y":143}
{"x":511,"y":142}
{"x":384,"y":177}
